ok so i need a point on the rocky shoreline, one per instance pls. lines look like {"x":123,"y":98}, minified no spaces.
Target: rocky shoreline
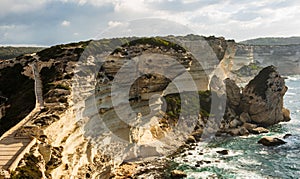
{"x":237,"y":120}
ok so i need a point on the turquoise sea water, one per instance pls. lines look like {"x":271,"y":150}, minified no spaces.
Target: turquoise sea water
{"x":247,"y":158}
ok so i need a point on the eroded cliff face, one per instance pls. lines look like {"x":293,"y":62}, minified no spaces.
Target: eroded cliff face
{"x":118,"y":100}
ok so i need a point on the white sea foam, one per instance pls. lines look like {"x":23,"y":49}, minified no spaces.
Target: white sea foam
{"x":293,"y":78}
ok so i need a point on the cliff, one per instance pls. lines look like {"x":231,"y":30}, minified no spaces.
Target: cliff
{"x":113,"y":100}
{"x":284,"y":57}
{"x":273,"y":41}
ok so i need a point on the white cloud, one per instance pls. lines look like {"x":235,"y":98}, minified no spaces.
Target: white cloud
{"x":92,"y":2}
{"x":65,"y":23}
{"x":7,"y":27}
{"x":231,"y":18}
{"x":114,"y":23}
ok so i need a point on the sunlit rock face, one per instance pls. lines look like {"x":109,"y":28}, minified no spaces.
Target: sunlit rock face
{"x":131,"y":84}
{"x":259,"y":104}
{"x":105,"y":102}
{"x":263,"y":97}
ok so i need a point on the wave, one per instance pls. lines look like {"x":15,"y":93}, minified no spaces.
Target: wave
{"x":290,"y":94}
{"x":293,"y":78}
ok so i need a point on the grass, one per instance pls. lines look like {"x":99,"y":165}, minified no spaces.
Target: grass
{"x":195,"y":104}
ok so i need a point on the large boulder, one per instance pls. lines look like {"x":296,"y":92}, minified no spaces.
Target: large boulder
{"x":262,"y":98}
{"x":271,"y":141}
{"x":260,"y":104}
{"x":259,"y":130}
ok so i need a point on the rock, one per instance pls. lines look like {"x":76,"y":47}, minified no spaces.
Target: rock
{"x":286,"y":115}
{"x":262,"y":98}
{"x":178,"y":174}
{"x":207,"y":161}
{"x":199,"y":162}
{"x":232,"y":92}
{"x":57,"y":93}
{"x":223,"y":152}
{"x":244,"y":117}
{"x":259,"y":130}
{"x":191,"y":139}
{"x":197,"y":134}
{"x":234,"y":132}
{"x":249,"y":126}
{"x":271,"y":141}
{"x":45,"y":151}
{"x":287,"y":136}
{"x":244,"y":131}
{"x":4,"y":174}
{"x":238,"y":131}
{"x":234,"y":123}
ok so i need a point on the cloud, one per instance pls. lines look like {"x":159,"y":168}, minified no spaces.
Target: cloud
{"x":91,"y":2}
{"x":65,"y":23}
{"x":40,"y":21}
{"x":114,"y":23}
{"x":14,"y":6}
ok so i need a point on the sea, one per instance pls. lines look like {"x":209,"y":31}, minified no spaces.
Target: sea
{"x":246,"y":158}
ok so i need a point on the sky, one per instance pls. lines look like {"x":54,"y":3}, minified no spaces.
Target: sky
{"x":50,"y":22}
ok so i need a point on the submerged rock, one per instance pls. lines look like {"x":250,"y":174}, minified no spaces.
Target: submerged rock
{"x":271,"y":141}
{"x":287,"y":136}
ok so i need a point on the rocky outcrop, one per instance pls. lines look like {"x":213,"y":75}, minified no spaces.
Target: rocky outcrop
{"x":271,"y":141}
{"x":263,"y":98}
{"x":258,"y":130}
{"x":258,"y":105}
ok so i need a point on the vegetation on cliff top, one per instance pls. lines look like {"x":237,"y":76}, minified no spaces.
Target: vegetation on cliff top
{"x":12,"y":52}
{"x":156,"y":42}
{"x":152,"y":41}
{"x":63,"y":50}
